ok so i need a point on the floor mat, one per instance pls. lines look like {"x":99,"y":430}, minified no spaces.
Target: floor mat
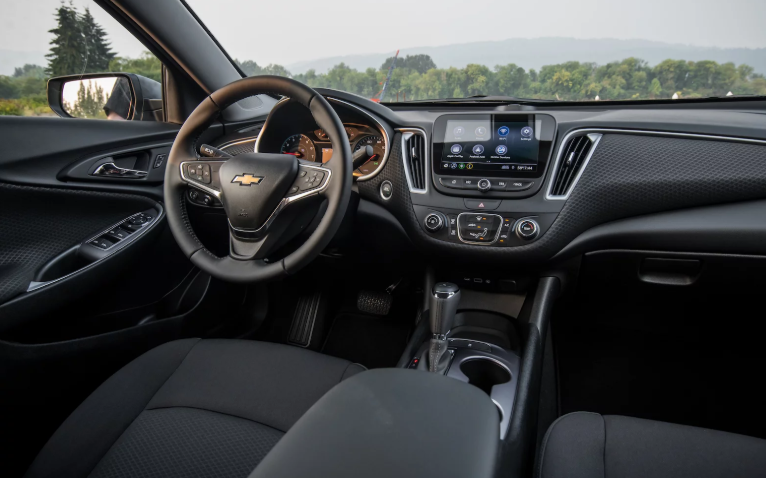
{"x":372,"y":341}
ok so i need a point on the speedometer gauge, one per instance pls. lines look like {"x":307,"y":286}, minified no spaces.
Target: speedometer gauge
{"x":379,"y":152}
{"x":300,"y":146}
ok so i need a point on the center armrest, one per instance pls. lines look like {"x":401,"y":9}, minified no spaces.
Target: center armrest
{"x":391,"y":423}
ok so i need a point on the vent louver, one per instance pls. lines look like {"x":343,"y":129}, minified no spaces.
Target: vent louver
{"x":576,"y":152}
{"x":415,"y":154}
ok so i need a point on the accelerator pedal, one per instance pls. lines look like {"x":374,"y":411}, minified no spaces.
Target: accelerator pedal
{"x":304,"y":318}
{"x":374,"y":302}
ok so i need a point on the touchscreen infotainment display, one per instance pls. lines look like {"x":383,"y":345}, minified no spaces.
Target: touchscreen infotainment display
{"x":497,"y":146}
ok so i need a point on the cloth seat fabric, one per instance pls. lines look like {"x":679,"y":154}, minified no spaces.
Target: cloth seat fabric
{"x":191,"y":408}
{"x":589,"y":445}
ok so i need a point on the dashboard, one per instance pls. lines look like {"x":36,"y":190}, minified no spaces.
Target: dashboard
{"x":532,"y":184}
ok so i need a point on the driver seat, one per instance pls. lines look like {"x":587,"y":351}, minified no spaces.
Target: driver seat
{"x":191,"y":408}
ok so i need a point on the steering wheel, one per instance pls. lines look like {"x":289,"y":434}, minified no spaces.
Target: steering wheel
{"x":261,"y":193}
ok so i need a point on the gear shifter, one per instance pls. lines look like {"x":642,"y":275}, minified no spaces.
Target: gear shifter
{"x":443,"y":303}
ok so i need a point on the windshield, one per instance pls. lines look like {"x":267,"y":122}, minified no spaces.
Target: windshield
{"x":554,"y":50}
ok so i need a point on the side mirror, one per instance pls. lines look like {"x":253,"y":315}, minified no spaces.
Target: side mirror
{"x":114,"y":96}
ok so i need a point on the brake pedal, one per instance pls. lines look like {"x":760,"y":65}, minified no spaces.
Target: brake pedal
{"x":374,"y":302}
{"x":304,"y":318}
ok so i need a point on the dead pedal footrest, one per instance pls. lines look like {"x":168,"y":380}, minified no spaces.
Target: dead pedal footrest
{"x":304,"y":317}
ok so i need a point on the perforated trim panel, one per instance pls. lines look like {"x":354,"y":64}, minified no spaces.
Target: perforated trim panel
{"x":37,"y":224}
{"x":628,"y":175}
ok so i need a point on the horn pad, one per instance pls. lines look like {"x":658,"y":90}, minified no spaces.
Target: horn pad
{"x":253,"y":184}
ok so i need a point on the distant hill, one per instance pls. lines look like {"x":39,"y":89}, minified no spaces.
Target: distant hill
{"x":536,"y":52}
{"x":10,"y":59}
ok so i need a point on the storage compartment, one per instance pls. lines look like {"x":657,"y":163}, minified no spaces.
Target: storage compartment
{"x":391,"y":422}
{"x":485,"y":373}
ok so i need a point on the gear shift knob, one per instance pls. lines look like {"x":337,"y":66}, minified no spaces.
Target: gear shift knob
{"x":443,"y":303}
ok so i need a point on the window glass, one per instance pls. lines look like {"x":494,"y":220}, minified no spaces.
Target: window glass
{"x":404,"y":50}
{"x":49,"y":38}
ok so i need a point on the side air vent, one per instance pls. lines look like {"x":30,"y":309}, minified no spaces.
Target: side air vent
{"x":415,"y":156}
{"x":570,"y":163}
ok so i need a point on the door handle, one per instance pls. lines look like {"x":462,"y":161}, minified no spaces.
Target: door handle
{"x":110,"y":170}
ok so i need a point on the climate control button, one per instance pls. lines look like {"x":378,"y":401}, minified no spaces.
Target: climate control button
{"x":527,"y":229}
{"x":434,"y":222}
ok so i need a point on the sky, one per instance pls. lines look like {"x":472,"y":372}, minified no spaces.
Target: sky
{"x":307,"y":29}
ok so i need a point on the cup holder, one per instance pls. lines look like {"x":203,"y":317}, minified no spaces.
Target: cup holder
{"x":485,"y":373}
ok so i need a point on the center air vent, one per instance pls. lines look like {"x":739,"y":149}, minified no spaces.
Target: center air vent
{"x":570,"y":163}
{"x":415,"y":156}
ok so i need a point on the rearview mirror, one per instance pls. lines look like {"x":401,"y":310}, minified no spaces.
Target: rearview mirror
{"x":112,"y":96}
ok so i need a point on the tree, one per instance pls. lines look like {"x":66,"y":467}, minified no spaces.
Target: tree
{"x":249,"y":67}
{"x":29,"y":71}
{"x":145,"y":65}
{"x":97,"y":47}
{"x":420,"y":63}
{"x":68,"y":54}
{"x":90,"y":102}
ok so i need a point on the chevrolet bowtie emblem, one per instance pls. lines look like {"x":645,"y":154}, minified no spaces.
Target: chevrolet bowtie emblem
{"x":247,"y":179}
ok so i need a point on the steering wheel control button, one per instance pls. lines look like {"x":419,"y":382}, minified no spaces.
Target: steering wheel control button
{"x":386,"y":190}
{"x":519,"y":185}
{"x":527,"y":229}
{"x":489,"y":204}
{"x":477,"y":228}
{"x":434,"y":222}
{"x":484,"y":185}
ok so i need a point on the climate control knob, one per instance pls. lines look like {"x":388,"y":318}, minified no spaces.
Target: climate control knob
{"x":434,"y":222}
{"x":484,"y":185}
{"x":527,"y":229}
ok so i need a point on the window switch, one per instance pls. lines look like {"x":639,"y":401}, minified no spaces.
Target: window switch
{"x":102,"y":243}
{"x":118,"y":233}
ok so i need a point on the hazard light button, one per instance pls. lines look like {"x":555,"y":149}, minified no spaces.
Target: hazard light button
{"x":482,"y":204}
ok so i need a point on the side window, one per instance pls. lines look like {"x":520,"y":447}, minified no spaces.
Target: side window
{"x":95,"y":68}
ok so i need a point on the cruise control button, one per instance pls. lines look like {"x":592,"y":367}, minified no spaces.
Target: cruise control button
{"x":519,"y":185}
{"x":482,"y":203}
{"x":454,"y":183}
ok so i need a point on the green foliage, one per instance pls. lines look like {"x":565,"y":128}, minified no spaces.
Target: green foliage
{"x":90,"y":102}
{"x":251,"y":68}
{"x":79,"y":44}
{"x":146,"y":65}
{"x":419,"y":63}
{"x":11,"y":108}
{"x":416,"y":77}
{"x":29,"y":71}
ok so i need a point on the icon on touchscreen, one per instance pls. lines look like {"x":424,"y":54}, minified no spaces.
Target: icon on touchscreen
{"x":478,"y":149}
{"x":503,"y":131}
{"x":458,"y":131}
{"x":526,"y":132}
{"x":501,"y":149}
{"x":481,"y":131}
{"x":456,"y":149}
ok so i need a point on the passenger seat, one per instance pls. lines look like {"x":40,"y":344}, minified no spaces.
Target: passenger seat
{"x":589,"y":445}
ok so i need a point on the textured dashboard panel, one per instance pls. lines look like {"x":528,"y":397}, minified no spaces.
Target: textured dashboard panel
{"x":628,"y":175}
{"x":37,"y":224}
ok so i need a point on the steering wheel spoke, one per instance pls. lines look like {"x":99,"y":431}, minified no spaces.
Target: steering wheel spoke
{"x":203,"y":175}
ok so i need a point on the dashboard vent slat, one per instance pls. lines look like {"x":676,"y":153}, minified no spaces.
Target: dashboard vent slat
{"x":575,"y":153}
{"x":415,"y":156}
